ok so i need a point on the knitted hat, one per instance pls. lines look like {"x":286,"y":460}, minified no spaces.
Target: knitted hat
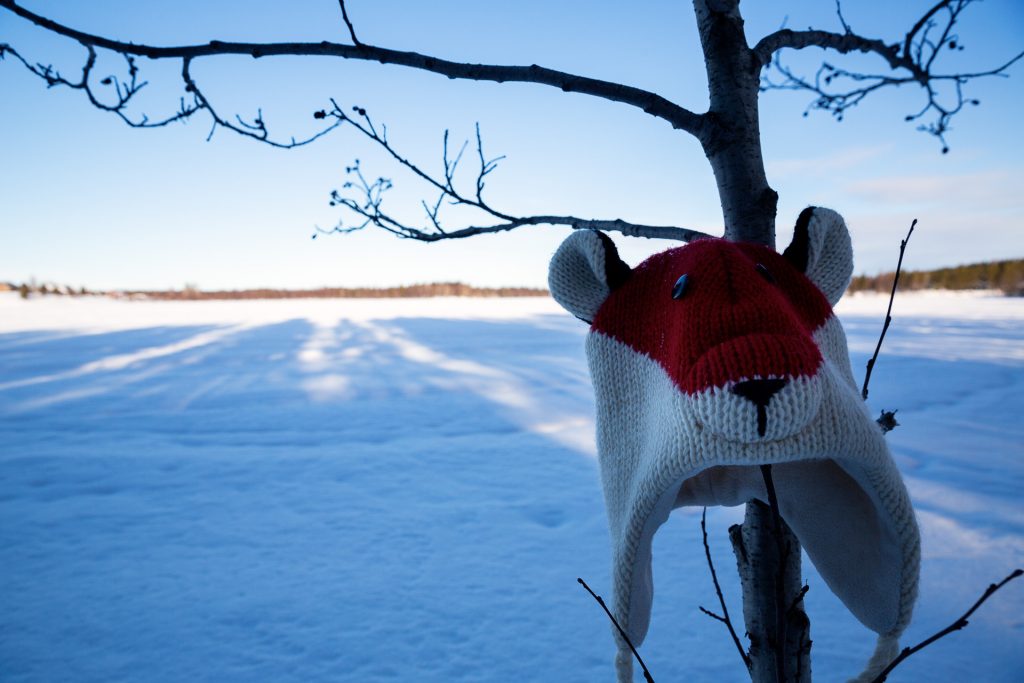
{"x":713,"y":358}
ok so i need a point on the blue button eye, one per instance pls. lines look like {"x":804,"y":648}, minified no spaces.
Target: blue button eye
{"x":680,"y":287}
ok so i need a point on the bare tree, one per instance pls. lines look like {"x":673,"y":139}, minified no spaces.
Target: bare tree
{"x":738,"y":71}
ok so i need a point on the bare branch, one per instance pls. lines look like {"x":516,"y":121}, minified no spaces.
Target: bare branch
{"x":888,"y":316}
{"x":124,"y":90}
{"x":257,"y":130}
{"x":840,"y":42}
{"x":718,"y":590}
{"x":836,"y":90}
{"x":922,"y":23}
{"x":650,"y":103}
{"x":955,"y":626}
{"x":365,"y":198}
{"x":842,"y":19}
{"x":647,"y":674}
{"x":351,"y":28}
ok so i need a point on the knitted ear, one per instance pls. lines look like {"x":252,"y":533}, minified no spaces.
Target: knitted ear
{"x":584,"y":271}
{"x":821,"y":249}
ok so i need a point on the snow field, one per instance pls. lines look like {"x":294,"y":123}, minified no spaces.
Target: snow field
{"x":405,"y":490}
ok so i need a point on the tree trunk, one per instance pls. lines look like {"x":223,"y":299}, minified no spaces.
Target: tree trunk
{"x":759,"y":563}
{"x":731,"y":136}
{"x":731,"y":139}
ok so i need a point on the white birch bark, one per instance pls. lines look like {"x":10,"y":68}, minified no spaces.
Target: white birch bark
{"x":731,"y":139}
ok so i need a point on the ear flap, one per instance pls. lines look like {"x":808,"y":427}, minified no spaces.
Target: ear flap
{"x":584,"y":271}
{"x":821,"y":249}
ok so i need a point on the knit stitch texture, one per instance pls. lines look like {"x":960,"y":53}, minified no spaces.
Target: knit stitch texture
{"x":748,"y":366}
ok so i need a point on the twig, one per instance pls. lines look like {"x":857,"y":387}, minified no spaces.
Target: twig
{"x":124,"y":90}
{"x":888,"y":312}
{"x":955,"y":626}
{"x":912,"y":62}
{"x":600,"y":601}
{"x":718,"y":590}
{"x":367,"y":202}
{"x":842,"y":19}
{"x":780,"y":596}
{"x":795,"y":605}
{"x":351,"y":29}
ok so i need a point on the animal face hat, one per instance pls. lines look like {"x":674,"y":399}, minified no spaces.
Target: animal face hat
{"x":713,"y":358}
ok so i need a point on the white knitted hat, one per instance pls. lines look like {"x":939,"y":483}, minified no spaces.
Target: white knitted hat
{"x":713,"y":358}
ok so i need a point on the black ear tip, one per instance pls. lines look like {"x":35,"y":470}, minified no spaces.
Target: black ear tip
{"x":609,"y":246}
{"x":615,"y":269}
{"x":797,"y":251}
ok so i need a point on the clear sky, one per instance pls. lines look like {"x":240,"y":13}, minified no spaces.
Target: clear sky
{"x":85,"y":200}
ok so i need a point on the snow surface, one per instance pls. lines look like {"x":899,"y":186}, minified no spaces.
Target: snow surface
{"x":406,"y":490}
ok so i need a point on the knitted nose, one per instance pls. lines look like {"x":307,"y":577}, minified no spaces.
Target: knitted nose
{"x":759,"y":392}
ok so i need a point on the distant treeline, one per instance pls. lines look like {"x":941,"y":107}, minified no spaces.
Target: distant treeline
{"x":192,"y":293}
{"x":1006,"y":276}
{"x":26,"y":289}
{"x":411,"y":291}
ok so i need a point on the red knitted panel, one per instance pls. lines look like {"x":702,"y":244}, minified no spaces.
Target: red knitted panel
{"x":732,"y":323}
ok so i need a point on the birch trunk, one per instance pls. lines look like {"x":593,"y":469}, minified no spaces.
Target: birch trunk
{"x":759,"y":563}
{"x":731,"y":139}
{"x":731,"y":134}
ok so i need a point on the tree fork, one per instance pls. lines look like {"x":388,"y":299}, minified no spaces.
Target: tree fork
{"x":731,"y":135}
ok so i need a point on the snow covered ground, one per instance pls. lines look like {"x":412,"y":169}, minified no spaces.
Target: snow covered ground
{"x":405,"y":490}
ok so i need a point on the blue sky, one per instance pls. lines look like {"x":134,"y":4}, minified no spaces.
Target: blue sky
{"x":85,"y":200}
